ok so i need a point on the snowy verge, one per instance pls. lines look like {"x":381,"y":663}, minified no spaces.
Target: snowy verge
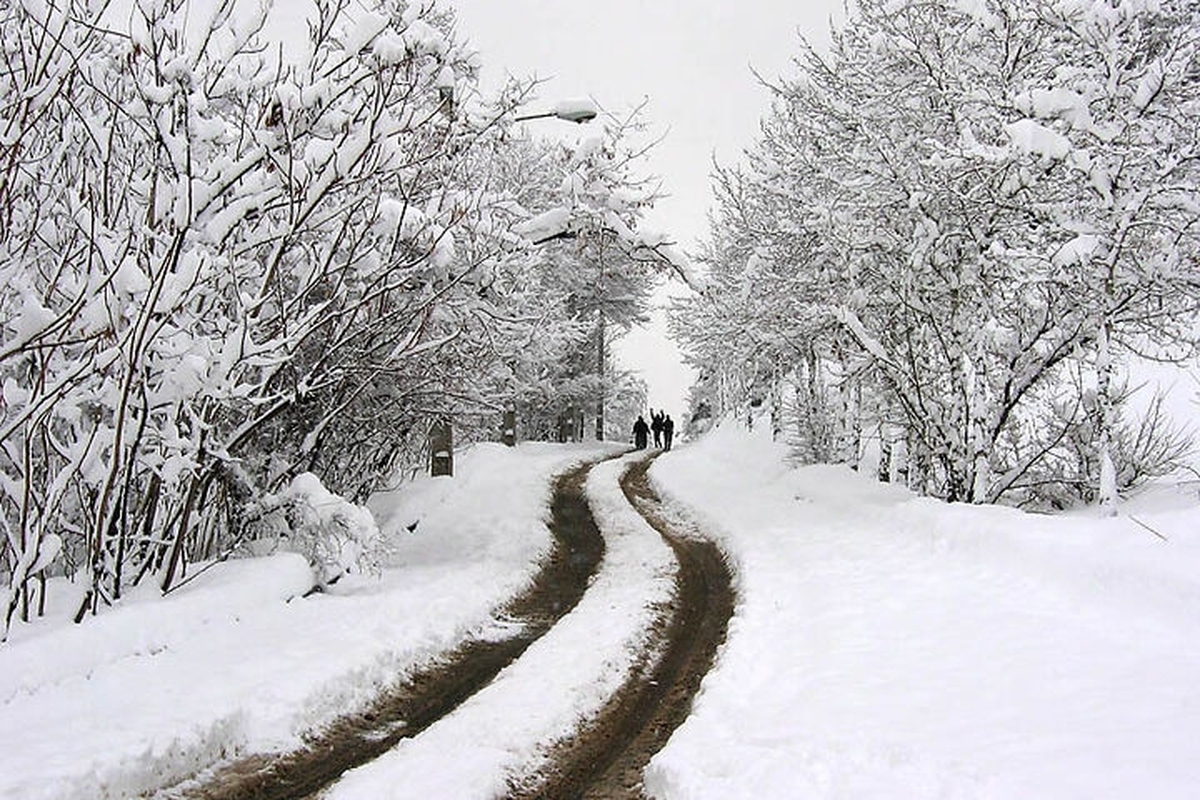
{"x":890,"y":646}
{"x":237,"y":661}
{"x":557,"y":685}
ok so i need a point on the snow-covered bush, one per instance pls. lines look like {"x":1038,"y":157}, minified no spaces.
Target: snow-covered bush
{"x":1146,"y":444}
{"x":336,"y":536}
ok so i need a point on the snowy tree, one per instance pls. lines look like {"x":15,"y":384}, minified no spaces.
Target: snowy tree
{"x":1120,"y":114}
{"x":224,"y":267}
{"x":596,"y":264}
{"x":228,"y":262}
{"x":924,"y":209}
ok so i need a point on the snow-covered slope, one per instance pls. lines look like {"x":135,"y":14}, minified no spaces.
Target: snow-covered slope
{"x":889,"y":646}
{"x":883,"y":646}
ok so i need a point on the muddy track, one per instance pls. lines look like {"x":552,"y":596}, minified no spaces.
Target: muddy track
{"x":606,"y":760}
{"x":432,"y":693}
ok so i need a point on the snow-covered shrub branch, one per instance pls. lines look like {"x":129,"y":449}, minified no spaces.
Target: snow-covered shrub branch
{"x":334,"y":535}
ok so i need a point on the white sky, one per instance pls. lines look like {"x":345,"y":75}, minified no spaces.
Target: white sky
{"x":692,"y":59}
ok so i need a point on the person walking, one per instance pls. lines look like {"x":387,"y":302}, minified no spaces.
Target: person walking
{"x":656,"y":425}
{"x":640,"y":429}
{"x":668,"y":431}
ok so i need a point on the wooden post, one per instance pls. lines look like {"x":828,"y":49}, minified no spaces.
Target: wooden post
{"x":600,"y":376}
{"x":570,"y":425}
{"x":441,"y":448}
{"x":509,"y":436}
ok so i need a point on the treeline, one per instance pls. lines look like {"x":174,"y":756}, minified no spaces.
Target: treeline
{"x":954,"y":227}
{"x":229,"y":259}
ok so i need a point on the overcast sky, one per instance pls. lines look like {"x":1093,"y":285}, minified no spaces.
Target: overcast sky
{"x":692,"y":59}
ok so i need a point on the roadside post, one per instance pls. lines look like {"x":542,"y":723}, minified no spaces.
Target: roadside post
{"x":441,"y":448}
{"x":509,"y":434}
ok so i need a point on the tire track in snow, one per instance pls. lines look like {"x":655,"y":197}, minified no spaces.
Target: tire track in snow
{"x":433,"y":691}
{"x":605,"y":761}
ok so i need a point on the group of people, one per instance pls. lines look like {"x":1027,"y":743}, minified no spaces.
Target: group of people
{"x":661,"y":425}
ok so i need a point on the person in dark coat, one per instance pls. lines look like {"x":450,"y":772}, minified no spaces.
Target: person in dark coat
{"x":656,"y":425}
{"x":668,"y":431}
{"x":640,"y":429}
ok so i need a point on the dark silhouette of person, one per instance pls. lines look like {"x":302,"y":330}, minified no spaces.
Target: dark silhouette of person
{"x":668,"y":431}
{"x":640,"y":429}
{"x":656,"y":425}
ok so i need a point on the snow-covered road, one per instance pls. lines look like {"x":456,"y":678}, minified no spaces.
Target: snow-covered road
{"x":561,"y":681}
{"x":882,"y":645}
{"x":237,"y":662}
{"x":476,"y":542}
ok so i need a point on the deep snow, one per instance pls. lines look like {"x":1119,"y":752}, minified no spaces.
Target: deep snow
{"x":883,"y":645}
{"x":898,"y":647}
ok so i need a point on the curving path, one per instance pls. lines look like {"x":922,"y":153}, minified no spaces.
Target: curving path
{"x":433,"y":692}
{"x":605,"y":761}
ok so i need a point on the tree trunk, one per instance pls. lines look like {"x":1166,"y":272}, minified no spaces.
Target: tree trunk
{"x":600,"y":375}
{"x":1106,"y":496}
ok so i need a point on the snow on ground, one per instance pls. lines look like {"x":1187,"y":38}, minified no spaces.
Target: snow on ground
{"x":237,"y":661}
{"x":562,"y":680}
{"x":883,"y":645}
{"x":891,"y":646}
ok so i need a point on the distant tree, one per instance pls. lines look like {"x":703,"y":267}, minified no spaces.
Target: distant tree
{"x":592,"y":268}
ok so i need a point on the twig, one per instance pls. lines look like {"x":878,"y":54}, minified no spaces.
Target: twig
{"x":220,"y":559}
{"x":1147,"y":527}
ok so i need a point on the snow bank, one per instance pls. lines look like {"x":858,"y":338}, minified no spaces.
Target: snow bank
{"x":561,"y":681}
{"x":238,"y":661}
{"x":889,"y":646}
